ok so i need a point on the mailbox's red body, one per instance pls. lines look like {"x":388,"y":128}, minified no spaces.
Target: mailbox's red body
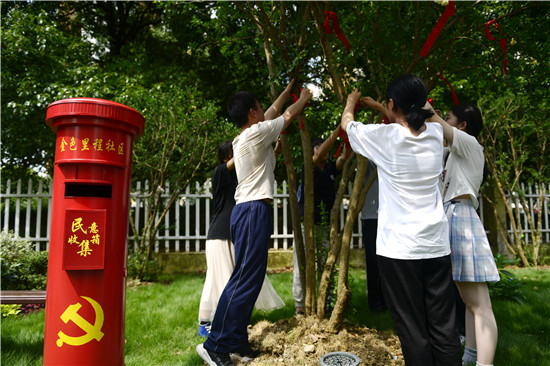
{"x":85,"y":298}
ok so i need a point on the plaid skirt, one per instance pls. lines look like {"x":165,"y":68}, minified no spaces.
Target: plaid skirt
{"x":471,"y":256}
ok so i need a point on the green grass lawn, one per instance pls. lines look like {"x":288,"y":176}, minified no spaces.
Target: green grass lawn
{"x":161,"y":322}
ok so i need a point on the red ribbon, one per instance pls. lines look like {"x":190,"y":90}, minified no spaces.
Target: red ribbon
{"x":449,"y":11}
{"x":503,"y":43}
{"x":344,"y":135}
{"x":331,"y":16}
{"x":487,"y":32}
{"x":455,"y":98}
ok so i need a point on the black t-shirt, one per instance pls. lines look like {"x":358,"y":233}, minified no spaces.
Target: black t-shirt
{"x":224,"y":183}
{"x":323,"y":190}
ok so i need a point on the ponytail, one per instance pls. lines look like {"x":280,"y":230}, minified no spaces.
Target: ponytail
{"x":417,"y":116}
{"x":409,"y":94}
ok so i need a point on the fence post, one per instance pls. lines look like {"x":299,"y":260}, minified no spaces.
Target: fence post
{"x":39,"y":215}
{"x":7,"y":207}
{"x":17,"y":208}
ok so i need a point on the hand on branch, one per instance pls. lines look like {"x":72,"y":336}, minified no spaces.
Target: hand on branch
{"x":349,"y":114}
{"x":306,"y":93}
{"x":353,"y":97}
{"x":276,"y":108}
{"x":288,"y":88}
{"x":294,"y":110}
{"x":371,"y":103}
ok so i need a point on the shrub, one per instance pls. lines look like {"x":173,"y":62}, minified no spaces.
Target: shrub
{"x":12,"y":247}
{"x":509,"y":287}
{"x":141,"y":269}
{"x":22,"y":267}
{"x":10,"y":310}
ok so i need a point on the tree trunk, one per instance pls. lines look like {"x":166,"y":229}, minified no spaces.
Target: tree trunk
{"x":357,"y":200}
{"x":335,"y":238}
{"x":307,"y":192}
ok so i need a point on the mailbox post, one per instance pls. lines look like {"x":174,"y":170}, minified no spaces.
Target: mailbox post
{"x":85,"y":298}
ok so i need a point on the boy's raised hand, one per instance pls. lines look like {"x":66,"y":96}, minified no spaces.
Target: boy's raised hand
{"x":306,"y":94}
{"x":288,"y":88}
{"x":277,"y":107}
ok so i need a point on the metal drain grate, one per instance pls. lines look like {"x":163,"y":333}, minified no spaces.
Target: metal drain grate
{"x":339,"y":359}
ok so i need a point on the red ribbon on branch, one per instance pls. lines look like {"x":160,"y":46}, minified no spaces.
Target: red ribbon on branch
{"x":455,"y":98}
{"x":449,"y":11}
{"x":294,"y":100}
{"x":344,"y":135}
{"x":503,"y":42}
{"x":331,"y":16}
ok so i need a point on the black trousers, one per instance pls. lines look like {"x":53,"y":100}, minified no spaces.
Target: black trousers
{"x":420,"y":296}
{"x":374,"y":290}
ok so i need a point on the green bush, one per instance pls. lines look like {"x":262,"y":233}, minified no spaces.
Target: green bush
{"x":509,"y":287}
{"x":12,"y":247}
{"x":141,"y":269}
{"x":10,"y":310}
{"x":22,"y":267}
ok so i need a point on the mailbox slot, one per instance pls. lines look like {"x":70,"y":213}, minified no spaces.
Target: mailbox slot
{"x":87,"y":190}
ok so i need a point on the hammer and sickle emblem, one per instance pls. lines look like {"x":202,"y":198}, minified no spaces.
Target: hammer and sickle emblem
{"x":92,"y":331}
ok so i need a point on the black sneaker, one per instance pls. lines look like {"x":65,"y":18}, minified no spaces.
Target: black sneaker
{"x":246,"y":354}
{"x":214,"y":358}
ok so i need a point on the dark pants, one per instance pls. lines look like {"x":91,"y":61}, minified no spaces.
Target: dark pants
{"x":374,"y":290}
{"x":251,"y":229}
{"x":460,"y":313}
{"x":420,"y":296}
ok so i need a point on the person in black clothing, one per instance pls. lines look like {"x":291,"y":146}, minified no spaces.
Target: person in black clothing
{"x":324,"y":192}
{"x":220,"y":251}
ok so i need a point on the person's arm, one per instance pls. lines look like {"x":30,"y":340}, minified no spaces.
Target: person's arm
{"x":230,"y":164}
{"x":342,"y":158}
{"x":447,"y":128}
{"x":326,"y":146}
{"x":371,"y":103}
{"x":294,"y":110}
{"x":349,"y":115}
{"x":276,"y":108}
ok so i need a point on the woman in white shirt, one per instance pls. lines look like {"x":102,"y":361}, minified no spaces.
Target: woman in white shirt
{"x":472,"y":260}
{"x":413,"y":242}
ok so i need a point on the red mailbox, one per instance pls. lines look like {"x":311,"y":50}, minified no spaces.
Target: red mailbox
{"x":85,"y":299}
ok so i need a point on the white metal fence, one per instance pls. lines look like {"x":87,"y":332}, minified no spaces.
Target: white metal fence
{"x":534,"y":204}
{"x":27,"y":212}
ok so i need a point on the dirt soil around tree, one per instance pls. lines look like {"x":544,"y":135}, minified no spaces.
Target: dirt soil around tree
{"x":304,"y":340}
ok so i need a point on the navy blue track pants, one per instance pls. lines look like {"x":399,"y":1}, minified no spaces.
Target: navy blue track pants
{"x":251,"y":229}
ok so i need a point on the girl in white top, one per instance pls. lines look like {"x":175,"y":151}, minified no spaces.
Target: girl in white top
{"x":471,"y":256}
{"x":412,"y":242}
